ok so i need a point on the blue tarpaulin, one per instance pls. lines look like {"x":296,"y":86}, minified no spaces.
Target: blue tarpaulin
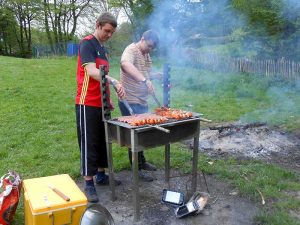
{"x":72,"y":49}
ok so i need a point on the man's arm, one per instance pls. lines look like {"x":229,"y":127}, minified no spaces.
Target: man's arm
{"x":130,"y":69}
{"x":93,"y":72}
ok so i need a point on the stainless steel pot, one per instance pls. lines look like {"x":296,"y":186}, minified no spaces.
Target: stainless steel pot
{"x":96,"y":214}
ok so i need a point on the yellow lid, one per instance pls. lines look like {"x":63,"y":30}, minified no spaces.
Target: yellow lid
{"x":42,"y":198}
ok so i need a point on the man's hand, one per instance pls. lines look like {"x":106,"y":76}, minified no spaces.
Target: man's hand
{"x":117,"y":86}
{"x":111,"y":105}
{"x":120,"y":90}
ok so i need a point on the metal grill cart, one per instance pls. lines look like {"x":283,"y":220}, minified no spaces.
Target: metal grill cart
{"x":140,"y":138}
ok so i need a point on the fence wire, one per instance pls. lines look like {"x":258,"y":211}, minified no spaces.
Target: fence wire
{"x":57,"y":49}
{"x":286,"y":69}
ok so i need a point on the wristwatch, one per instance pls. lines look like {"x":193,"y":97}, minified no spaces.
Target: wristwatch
{"x":144,"y":81}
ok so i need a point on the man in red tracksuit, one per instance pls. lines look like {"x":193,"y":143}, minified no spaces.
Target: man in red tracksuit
{"x":90,"y":126}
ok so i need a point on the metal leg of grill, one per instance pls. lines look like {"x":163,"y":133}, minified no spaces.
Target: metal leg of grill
{"x":167,"y":164}
{"x":195,"y":160}
{"x":110,"y":163}
{"x":135,"y":189}
{"x":111,"y":173}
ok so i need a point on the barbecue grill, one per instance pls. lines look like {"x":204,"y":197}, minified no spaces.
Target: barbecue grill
{"x":140,"y":138}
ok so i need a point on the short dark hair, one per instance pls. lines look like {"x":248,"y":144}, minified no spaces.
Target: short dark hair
{"x":152,"y":36}
{"x":107,"y":17}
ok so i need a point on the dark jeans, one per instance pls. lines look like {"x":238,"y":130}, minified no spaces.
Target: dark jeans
{"x":137,"y":109}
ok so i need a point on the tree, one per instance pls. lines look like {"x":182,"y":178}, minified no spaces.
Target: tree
{"x":272,"y":26}
{"x":120,"y":39}
{"x":25,"y":12}
{"x":60,"y":19}
{"x":8,"y":24}
{"x":137,"y":11}
{"x":87,"y":21}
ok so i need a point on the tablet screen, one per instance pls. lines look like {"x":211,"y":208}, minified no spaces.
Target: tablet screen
{"x":173,"y":197}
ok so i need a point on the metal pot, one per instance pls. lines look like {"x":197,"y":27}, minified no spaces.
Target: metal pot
{"x":96,"y":214}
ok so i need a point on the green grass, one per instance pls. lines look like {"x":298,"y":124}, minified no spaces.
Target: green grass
{"x":38,"y":130}
{"x":37,"y":117}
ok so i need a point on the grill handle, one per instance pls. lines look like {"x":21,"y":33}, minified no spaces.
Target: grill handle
{"x":156,"y":100}
{"x":205,"y":120}
{"x":159,"y":128}
{"x":124,"y":101}
{"x":127,"y":106}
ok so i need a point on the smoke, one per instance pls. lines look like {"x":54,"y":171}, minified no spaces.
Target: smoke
{"x":214,"y":27}
{"x":265,"y":33}
{"x":190,"y":23}
{"x":292,"y":5}
{"x":283,"y":103}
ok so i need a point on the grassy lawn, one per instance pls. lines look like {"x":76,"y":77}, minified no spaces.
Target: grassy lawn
{"x":38,"y":130}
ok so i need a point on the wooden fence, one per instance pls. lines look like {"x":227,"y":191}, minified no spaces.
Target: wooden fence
{"x":286,"y":69}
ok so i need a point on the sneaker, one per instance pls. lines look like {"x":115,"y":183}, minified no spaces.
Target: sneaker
{"x":91,"y":194}
{"x":148,"y":166}
{"x":144,"y":176}
{"x":104,"y":180}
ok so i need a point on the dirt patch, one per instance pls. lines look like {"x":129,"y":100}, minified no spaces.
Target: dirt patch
{"x":255,"y":140}
{"x":225,"y":206}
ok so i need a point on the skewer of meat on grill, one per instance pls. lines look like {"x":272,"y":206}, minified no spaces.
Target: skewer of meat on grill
{"x":173,"y":113}
{"x":143,"y":119}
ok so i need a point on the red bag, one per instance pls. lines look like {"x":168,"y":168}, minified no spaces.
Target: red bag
{"x":10,"y":187}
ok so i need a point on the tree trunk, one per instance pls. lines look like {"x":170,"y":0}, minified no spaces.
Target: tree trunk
{"x":29,"y":41}
{"x":46,"y":11}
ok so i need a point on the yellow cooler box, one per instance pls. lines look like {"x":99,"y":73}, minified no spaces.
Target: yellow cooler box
{"x":53,"y":200}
